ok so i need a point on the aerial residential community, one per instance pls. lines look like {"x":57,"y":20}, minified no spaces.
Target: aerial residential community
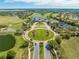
{"x":39,"y":29}
{"x":39,"y":35}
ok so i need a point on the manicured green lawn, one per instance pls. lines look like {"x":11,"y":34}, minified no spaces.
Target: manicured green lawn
{"x":41,"y":34}
{"x":6,"y":42}
{"x":71,"y":48}
{"x":17,"y":49}
{"x":41,"y":50}
{"x":12,"y":22}
{"x":40,"y":25}
{"x":5,"y":20}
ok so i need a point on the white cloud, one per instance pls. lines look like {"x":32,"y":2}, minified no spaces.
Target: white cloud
{"x":48,"y":2}
{"x":67,"y":2}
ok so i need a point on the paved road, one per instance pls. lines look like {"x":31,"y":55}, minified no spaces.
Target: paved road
{"x":46,"y":52}
{"x":36,"y":51}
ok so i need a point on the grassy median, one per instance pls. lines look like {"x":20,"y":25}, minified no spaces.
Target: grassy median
{"x":41,"y":51}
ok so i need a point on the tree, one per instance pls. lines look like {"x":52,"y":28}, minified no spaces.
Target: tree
{"x":53,"y":43}
{"x":50,"y":47}
{"x":11,"y":54}
{"x":24,"y":45}
{"x":2,"y":57}
{"x":19,"y":32}
{"x":58,"y":39}
{"x":66,"y":35}
{"x":3,"y":26}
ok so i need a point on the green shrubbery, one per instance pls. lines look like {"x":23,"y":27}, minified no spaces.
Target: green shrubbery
{"x":2,"y":57}
{"x":24,"y":45}
{"x":58,"y":39}
{"x":11,"y":54}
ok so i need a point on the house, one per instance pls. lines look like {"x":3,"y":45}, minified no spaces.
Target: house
{"x":38,"y":19}
{"x":61,"y":23}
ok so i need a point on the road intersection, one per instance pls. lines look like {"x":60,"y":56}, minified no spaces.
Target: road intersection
{"x":36,"y":43}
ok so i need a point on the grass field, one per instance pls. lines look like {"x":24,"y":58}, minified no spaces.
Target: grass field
{"x":17,"y":49}
{"x":5,"y":20}
{"x":12,"y":22}
{"x":40,"y":34}
{"x":71,"y":48}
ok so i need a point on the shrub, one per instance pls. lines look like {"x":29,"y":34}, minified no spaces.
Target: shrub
{"x":54,"y":44}
{"x":2,"y":57}
{"x":11,"y":54}
{"x":24,"y":45}
{"x":66,"y":35}
{"x":41,"y":44}
{"x":58,"y":39}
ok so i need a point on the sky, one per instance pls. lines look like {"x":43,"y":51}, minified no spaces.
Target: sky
{"x":7,"y":4}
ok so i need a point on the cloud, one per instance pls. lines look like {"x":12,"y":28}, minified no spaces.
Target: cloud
{"x":50,"y":3}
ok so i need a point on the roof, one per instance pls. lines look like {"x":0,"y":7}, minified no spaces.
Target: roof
{"x":61,"y":23}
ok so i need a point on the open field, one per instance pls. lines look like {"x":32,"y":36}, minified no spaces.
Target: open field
{"x":71,"y":48}
{"x":41,"y":34}
{"x":5,"y":20}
